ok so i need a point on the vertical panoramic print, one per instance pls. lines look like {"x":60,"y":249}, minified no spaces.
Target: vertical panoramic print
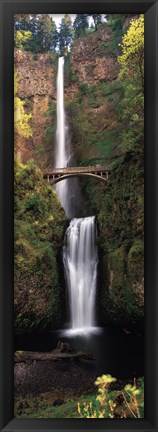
{"x":79,"y":216}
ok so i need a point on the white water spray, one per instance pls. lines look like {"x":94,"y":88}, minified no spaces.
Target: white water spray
{"x":80,"y":261}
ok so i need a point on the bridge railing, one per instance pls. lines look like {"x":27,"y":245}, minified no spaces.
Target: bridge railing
{"x":67,"y":170}
{"x":54,"y":175}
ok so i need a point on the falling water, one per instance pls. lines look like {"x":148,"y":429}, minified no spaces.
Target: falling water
{"x":61,"y":159}
{"x":67,"y":190}
{"x":80,"y":252}
{"x":60,"y":133}
{"x":80,"y":261}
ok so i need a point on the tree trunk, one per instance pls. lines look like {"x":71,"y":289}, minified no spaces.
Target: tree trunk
{"x":24,"y":356}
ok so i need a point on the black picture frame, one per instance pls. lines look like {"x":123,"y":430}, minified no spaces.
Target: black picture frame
{"x":8,"y":9}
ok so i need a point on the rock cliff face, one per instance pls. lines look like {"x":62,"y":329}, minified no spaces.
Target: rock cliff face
{"x":92,"y":62}
{"x":92,"y":58}
{"x":35,"y":74}
{"x":36,"y":77}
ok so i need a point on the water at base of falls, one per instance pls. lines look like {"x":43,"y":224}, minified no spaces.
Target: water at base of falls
{"x":85,"y":331}
{"x":80,"y":262}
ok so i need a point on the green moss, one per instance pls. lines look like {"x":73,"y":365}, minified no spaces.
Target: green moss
{"x":35,"y":56}
{"x":135,"y":260}
{"x":117,"y":266}
{"x":74,"y":78}
{"x":119,"y":209}
{"x":39,"y":231}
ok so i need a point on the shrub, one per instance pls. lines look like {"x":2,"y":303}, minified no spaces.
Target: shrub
{"x":126,"y":403}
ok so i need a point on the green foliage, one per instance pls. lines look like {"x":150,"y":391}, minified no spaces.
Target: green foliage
{"x":132,"y":58}
{"x":37,"y":407}
{"x":80,"y":25}
{"x":65,"y":34}
{"x":21,"y":119}
{"x":135,"y":256}
{"x":21,"y":38}
{"x":88,"y":94}
{"x":116,"y":22}
{"x":131,"y":115}
{"x":35,"y":56}
{"x":74,"y":78}
{"x":49,"y":135}
{"x":67,"y":70}
{"x":47,"y":33}
{"x":78,"y":125}
{"x":108,"y":89}
{"x":97,"y":18}
{"x":107,"y":403}
{"x":36,"y":33}
{"x":90,"y":69}
{"x":39,"y":230}
{"x":106,"y":142}
{"x":108,"y":48}
{"x":84,"y":89}
{"x":119,"y":208}
{"x":132,"y":74}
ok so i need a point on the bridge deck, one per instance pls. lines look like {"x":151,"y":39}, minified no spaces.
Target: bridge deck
{"x":57,"y":174}
{"x":72,"y":170}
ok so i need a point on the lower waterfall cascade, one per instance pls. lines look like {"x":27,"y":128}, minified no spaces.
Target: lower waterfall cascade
{"x":80,"y":262}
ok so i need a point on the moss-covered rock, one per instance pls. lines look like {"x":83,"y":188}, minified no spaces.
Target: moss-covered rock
{"x":119,"y":209}
{"x":136,"y":270}
{"x":39,"y":230}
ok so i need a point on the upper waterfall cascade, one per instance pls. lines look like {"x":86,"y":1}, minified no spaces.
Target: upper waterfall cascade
{"x":61,"y":157}
{"x":68,"y":189}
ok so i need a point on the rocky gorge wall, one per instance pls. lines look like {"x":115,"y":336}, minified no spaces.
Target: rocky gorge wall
{"x":92,"y":94}
{"x":39,"y":228}
{"x":91,"y":62}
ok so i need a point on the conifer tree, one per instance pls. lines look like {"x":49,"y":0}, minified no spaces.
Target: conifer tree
{"x":80,"y":25}
{"x":65,"y":34}
{"x":97,"y":18}
{"x":46,"y":33}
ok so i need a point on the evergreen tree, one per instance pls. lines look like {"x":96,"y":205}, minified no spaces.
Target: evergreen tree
{"x":43,"y":32}
{"x":65,"y":34}
{"x":97,"y":18}
{"x":46,"y":33}
{"x":80,"y":25}
{"x":21,"y":22}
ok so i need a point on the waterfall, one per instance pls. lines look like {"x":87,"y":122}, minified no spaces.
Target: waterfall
{"x":80,"y":251}
{"x":60,"y":132}
{"x":67,"y":190}
{"x":80,"y":262}
{"x":61,"y":159}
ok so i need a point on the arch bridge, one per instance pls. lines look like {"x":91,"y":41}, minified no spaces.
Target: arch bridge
{"x":55,"y":175}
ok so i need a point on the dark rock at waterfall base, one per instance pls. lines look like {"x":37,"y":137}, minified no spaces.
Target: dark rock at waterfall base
{"x":64,"y":347}
{"x":58,"y":402}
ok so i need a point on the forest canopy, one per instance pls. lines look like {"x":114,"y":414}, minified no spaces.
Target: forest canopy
{"x":39,"y":33}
